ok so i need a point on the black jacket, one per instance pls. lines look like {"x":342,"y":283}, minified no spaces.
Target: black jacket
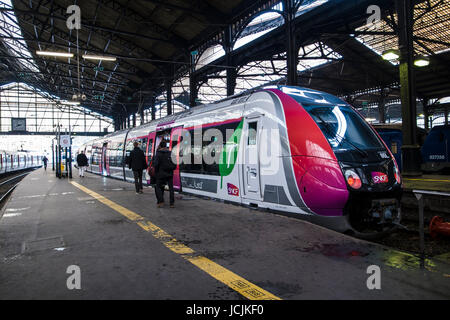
{"x":82,"y":160}
{"x":137,"y":160}
{"x":162,"y":162}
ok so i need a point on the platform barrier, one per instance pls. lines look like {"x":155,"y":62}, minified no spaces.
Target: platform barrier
{"x":420,"y":197}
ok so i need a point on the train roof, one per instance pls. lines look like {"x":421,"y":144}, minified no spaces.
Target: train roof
{"x":441,"y":128}
{"x":301,"y":94}
{"x":308,"y":96}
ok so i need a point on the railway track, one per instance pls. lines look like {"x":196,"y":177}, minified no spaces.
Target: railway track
{"x":8,"y":184}
{"x":408,"y":239}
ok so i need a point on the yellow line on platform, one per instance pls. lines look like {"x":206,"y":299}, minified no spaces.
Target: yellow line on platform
{"x":232,"y":280}
{"x":425,"y":180}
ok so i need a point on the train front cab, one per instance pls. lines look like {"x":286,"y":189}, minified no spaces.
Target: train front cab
{"x":344,"y":168}
{"x":435,"y":151}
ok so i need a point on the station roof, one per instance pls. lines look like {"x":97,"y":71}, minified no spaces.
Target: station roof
{"x":153,"y":42}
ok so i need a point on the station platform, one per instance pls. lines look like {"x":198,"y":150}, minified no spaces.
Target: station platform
{"x":437,"y":203}
{"x":438,"y":183}
{"x":127,"y":248}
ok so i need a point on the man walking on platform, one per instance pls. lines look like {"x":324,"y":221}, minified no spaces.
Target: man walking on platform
{"x":164,"y":168}
{"x":82,"y":162}
{"x":45,"y":160}
{"x":137,"y":163}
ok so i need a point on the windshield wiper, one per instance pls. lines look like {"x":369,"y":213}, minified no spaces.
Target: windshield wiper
{"x":330,"y":131}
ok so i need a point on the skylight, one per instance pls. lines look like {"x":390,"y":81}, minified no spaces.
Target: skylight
{"x":11,"y":36}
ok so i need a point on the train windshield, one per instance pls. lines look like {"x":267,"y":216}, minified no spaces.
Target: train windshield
{"x":344,"y":128}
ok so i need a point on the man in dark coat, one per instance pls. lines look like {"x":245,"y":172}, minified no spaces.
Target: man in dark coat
{"x":82,"y":162}
{"x":137,"y":163}
{"x":164,"y":168}
{"x":45,"y":160}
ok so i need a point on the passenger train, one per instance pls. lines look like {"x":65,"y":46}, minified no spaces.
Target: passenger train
{"x":286,"y":149}
{"x":11,"y":161}
{"x":435,"y":151}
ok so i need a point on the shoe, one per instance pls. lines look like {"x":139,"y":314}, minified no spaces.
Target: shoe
{"x":172,"y":206}
{"x":160,"y":205}
{"x":141,"y":192}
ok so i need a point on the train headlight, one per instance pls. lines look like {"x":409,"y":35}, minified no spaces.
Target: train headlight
{"x":397,"y":175}
{"x":353,"y":179}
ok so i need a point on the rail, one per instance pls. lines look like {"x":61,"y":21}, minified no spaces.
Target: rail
{"x":4,"y":195}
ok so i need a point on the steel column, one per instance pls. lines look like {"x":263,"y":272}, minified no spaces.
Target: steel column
{"x":231,"y":72}
{"x":410,"y":149}
{"x":291,"y":47}
{"x":382,"y":107}
{"x":169,"y":96}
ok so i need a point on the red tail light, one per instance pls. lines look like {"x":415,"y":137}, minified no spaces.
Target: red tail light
{"x":353,"y":179}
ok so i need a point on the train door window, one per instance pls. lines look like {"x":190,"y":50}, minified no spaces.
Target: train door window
{"x":394,"y":148}
{"x":160,"y":136}
{"x":143,"y":144}
{"x":150,"y":149}
{"x":252,"y":130}
{"x":251,"y":166}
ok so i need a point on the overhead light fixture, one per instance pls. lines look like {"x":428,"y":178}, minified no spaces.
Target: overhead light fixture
{"x":94,"y":57}
{"x":55,"y":54}
{"x":421,"y":61}
{"x":391,"y":55}
{"x":70,"y":103}
{"x":371,"y":119}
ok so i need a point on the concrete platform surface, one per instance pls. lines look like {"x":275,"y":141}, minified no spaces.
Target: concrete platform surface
{"x":126,"y":248}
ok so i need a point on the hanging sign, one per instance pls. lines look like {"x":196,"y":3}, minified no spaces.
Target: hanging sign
{"x":65,"y":141}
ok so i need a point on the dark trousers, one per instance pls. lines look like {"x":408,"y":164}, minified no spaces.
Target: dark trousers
{"x":159,"y":189}
{"x":138,"y":180}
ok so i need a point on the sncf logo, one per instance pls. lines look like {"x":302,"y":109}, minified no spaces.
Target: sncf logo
{"x":379,"y":177}
{"x":233,"y":190}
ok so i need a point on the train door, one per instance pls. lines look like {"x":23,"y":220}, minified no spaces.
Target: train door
{"x":251,"y":168}
{"x":150,"y":147}
{"x":150,"y":152}
{"x":175,"y":138}
{"x":104,"y":163}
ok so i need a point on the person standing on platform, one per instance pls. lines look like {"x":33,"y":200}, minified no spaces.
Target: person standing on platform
{"x":45,"y":161}
{"x":138,"y":164}
{"x":82,"y":162}
{"x":164,"y":168}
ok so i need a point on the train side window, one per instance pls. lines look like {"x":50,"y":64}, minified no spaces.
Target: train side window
{"x":143,"y":144}
{"x":252,"y":130}
{"x":129,"y":148}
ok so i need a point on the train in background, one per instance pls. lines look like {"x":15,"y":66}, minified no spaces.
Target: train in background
{"x":322,"y":161}
{"x":393,"y":138}
{"x":11,"y":161}
{"x":435,"y":151}
{"x":434,"y":146}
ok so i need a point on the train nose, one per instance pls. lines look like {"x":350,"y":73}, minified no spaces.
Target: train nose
{"x":322,"y":186}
